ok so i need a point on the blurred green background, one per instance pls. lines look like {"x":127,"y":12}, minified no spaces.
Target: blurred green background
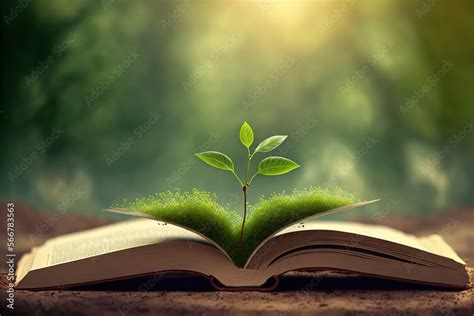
{"x":104,"y":100}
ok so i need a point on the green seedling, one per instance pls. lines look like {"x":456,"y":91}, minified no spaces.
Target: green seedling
{"x":200,"y":212}
{"x":270,"y":166}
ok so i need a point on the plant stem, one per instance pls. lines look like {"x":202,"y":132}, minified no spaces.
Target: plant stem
{"x":249,"y":158}
{"x":240,"y":181}
{"x":244,"y":188}
{"x":253,"y":177}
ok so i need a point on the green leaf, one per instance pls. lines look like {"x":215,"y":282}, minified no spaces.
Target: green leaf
{"x":270,"y":143}
{"x":246,"y":135}
{"x":274,"y":166}
{"x":217,"y":160}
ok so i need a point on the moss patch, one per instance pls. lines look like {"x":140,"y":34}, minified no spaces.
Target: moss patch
{"x":201,"y":212}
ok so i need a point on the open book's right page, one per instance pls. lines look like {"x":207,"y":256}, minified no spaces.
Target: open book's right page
{"x":434,"y":243}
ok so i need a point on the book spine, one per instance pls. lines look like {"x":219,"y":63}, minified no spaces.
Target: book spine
{"x":271,"y":284}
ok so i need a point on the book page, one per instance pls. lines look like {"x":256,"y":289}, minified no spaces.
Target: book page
{"x":111,"y":238}
{"x":436,"y":244}
{"x":296,"y":223}
{"x":374,"y":231}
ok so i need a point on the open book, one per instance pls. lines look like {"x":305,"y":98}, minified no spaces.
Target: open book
{"x":142,"y":247}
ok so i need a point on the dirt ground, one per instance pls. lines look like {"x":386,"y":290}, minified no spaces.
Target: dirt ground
{"x":302,"y":293}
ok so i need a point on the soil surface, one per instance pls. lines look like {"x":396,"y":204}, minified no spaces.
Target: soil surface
{"x":304,"y":293}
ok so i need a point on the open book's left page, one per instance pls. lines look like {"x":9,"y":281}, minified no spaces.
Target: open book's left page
{"x":97,"y":242}
{"x":115,"y":237}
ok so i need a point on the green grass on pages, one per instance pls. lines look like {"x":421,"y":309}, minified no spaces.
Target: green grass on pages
{"x":200,"y":211}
